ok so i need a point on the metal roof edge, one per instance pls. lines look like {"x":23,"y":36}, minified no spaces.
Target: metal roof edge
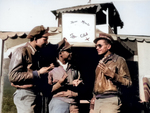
{"x":84,"y":5}
{"x":139,"y":38}
{"x":125,"y":46}
{"x":79,"y":7}
{"x":4,"y":35}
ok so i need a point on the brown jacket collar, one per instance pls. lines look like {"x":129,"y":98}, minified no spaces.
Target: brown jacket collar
{"x":33,"y":50}
{"x":113,"y":57}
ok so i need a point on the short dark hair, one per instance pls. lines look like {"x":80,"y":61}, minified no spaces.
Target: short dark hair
{"x":36,"y":37}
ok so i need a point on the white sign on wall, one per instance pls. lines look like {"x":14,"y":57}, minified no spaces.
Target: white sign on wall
{"x":78,"y":27}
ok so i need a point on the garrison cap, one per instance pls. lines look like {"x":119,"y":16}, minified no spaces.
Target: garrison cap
{"x":38,"y":31}
{"x":104,"y":36}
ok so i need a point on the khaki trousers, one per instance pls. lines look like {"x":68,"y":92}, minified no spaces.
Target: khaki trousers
{"x":107,"y":105}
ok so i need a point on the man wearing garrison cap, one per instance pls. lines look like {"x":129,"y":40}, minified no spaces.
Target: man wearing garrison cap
{"x":111,"y":71}
{"x":65,"y":99}
{"x":25,"y":72}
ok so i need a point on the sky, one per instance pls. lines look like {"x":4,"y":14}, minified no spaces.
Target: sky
{"x":23,"y":15}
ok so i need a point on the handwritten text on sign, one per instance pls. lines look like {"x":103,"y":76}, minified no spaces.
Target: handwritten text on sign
{"x":79,"y":27}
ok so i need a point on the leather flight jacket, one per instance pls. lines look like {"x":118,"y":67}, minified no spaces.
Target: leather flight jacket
{"x":24,"y":61}
{"x":118,"y":66}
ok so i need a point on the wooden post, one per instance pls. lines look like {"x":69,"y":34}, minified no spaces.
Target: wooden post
{"x":107,"y":17}
{"x":1,"y":77}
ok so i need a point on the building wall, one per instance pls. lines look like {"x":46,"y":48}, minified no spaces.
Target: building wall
{"x":144,"y":64}
{"x":1,"y":79}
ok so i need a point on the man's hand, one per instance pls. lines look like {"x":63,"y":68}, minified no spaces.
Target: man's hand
{"x":44,"y":70}
{"x":74,"y":109}
{"x":106,"y":70}
{"x":92,"y":104}
{"x":63,"y":78}
{"x":50,"y":79}
{"x":63,"y":94}
{"x":67,"y":93}
{"x":76,"y":82}
{"x":21,"y":86}
{"x":91,"y":111}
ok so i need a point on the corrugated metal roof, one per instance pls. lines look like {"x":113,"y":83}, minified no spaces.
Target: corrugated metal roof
{"x":13,"y":35}
{"x":97,"y":8}
{"x":75,"y":8}
{"x":80,"y":7}
{"x":56,"y":30}
{"x":56,"y":37}
{"x":124,"y":45}
{"x":135,"y":38}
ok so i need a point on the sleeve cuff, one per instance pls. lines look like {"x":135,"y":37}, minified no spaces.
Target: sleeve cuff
{"x":35,"y":75}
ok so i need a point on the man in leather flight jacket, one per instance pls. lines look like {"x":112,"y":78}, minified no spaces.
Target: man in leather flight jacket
{"x":25,"y":72}
{"x":111,"y":72}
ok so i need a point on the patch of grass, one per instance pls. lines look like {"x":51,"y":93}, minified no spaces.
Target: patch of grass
{"x":8,"y":104}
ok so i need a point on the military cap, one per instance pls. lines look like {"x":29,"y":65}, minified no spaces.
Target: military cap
{"x":63,"y":45}
{"x":38,"y":31}
{"x":104,"y":36}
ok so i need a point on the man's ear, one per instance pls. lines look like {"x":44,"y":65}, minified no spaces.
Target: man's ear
{"x":35,"y":39}
{"x":109,"y":46}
